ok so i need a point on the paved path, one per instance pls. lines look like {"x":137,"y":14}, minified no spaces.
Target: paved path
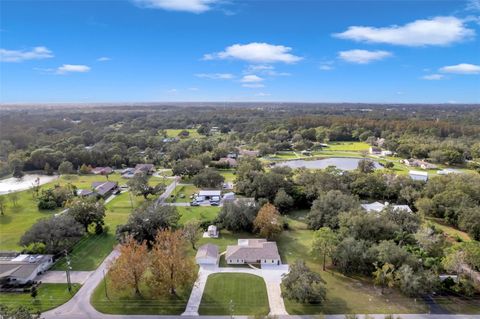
{"x":60,"y":277}
{"x":271,"y":275}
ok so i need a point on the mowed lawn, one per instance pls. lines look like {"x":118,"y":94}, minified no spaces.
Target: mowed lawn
{"x":49,"y":296}
{"x":228,"y":174}
{"x":202,"y":213}
{"x":126,"y":303}
{"x":182,"y":193}
{"x":344,"y":294}
{"x":174,"y":132}
{"x":347,"y":146}
{"x":92,"y":249}
{"x":234,"y":294}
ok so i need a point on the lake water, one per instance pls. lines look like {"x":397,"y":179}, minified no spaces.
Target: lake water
{"x":343,"y":163}
{"x":13,"y":184}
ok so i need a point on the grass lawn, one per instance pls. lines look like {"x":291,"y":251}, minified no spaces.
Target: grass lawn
{"x":344,"y":294}
{"x":238,"y":294}
{"x":49,"y":296}
{"x":174,"y":132}
{"x":202,"y":213}
{"x":89,"y":253}
{"x":228,"y":174}
{"x":348,"y":146}
{"x":185,"y":190}
{"x":452,"y":233}
{"x":124,"y":302}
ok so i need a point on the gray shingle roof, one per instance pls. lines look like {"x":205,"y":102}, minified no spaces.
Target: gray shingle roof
{"x":207,"y":250}
{"x":253,"y":249}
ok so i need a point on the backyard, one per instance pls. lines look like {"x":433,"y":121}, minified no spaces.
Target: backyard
{"x":234,"y":294}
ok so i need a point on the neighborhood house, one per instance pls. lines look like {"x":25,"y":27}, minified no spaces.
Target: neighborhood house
{"x":207,"y":255}
{"x":19,"y":269}
{"x":418,"y":176}
{"x":105,"y":189}
{"x":378,"y":207}
{"x":102,"y":170}
{"x":145,"y":168}
{"x":253,"y":251}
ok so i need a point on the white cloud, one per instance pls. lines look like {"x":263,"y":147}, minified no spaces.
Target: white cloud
{"x":253,"y":85}
{"x":473,"y":5}
{"x":194,"y":6}
{"x":36,"y":53}
{"x":363,"y":56}
{"x":436,"y":31}
{"x":263,"y":69}
{"x":326,"y":67}
{"x":262,"y":94}
{"x":103,"y":59}
{"x":251,"y":78}
{"x":77,"y":68}
{"x":433,"y":77}
{"x":256,"y":53}
{"x":215,"y":76}
{"x":462,"y":68}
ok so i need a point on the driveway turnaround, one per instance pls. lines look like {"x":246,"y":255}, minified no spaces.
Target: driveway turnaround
{"x":272,"y":276}
{"x":60,"y":277}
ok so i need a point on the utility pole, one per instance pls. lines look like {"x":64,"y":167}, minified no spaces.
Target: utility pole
{"x":105,"y":283}
{"x":232,"y":310}
{"x":67,"y":270}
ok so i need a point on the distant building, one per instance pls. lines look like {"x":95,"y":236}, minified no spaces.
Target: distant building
{"x":378,"y":207}
{"x":232,"y":155}
{"x":447,"y":171}
{"x":419,"y":163}
{"x":102,"y":170}
{"x":128,"y":172}
{"x":19,"y":269}
{"x":375,"y":150}
{"x":249,"y":153}
{"x":104,"y":189}
{"x":212,"y":231}
{"x":209,"y":194}
{"x":230,"y":161}
{"x":85,"y":192}
{"x":418,"y":175}
{"x":145,"y":168}
{"x":386,"y":153}
{"x":253,"y":251}
{"x":207,"y":255}
{"x":229,"y":196}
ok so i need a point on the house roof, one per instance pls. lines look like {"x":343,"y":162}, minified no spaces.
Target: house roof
{"x":144,"y":167}
{"x":419,"y":173}
{"x":104,"y":187}
{"x":22,"y":266}
{"x":378,"y":207}
{"x":207,"y":251}
{"x":253,"y":249}
{"x":209,"y":193}
{"x":102,"y":170}
{"x":84,"y":192}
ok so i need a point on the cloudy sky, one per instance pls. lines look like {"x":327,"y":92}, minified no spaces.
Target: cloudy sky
{"x":233,"y":50}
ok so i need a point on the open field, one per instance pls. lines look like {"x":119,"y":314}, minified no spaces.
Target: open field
{"x":92,"y":249}
{"x":228,"y":174}
{"x":175,"y":132}
{"x":182,"y":190}
{"x":49,"y":296}
{"x":202,"y":213}
{"x":234,"y":294}
{"x":348,"y":146}
{"x":124,"y":302}
{"x":452,"y":233}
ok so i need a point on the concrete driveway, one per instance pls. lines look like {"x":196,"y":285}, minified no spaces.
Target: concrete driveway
{"x":60,"y":277}
{"x":272,"y":276}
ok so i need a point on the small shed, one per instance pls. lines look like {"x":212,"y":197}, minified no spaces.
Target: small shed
{"x":207,"y":255}
{"x":229,"y":196}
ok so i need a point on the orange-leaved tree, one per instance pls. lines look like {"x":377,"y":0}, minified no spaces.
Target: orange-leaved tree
{"x":268,"y":222}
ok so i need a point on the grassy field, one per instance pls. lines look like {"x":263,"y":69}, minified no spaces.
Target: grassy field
{"x":124,"y":302}
{"x":182,"y":190}
{"x":344,"y":294}
{"x":234,"y":294}
{"x":452,"y":233}
{"x":348,"y":146}
{"x":91,"y":250}
{"x":202,"y":213}
{"x":175,"y":132}
{"x":228,"y":174}
{"x":49,"y":296}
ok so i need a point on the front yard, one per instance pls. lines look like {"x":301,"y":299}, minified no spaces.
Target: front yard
{"x":49,"y":296}
{"x":234,"y":294}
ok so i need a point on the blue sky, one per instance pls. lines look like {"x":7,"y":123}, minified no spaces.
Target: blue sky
{"x":219,"y":50}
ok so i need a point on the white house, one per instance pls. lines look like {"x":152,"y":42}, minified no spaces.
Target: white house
{"x":209,"y":194}
{"x":418,"y":175}
{"x":253,"y":251}
{"x":447,"y":171}
{"x":207,"y":255}
{"x":19,"y":269}
{"x":378,"y":207}
{"x":212,"y":232}
{"x":374,"y":150}
{"x":386,"y":153}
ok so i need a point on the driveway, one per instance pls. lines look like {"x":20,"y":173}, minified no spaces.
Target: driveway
{"x":60,"y":277}
{"x":272,"y":276}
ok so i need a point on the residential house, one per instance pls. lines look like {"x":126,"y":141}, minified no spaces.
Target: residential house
{"x":105,"y":189}
{"x":209,"y":194}
{"x":20,"y":269}
{"x":102,"y":170}
{"x":145,"y":168}
{"x":418,"y":163}
{"x":85,"y":192}
{"x":378,"y":207}
{"x":418,"y":175}
{"x":375,"y":150}
{"x":386,"y":153}
{"x":253,"y":251}
{"x":207,"y":255}
{"x":230,"y":161}
{"x":249,"y":153}
{"x":128,"y":172}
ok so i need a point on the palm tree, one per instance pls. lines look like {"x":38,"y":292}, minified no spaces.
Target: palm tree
{"x":384,"y":276}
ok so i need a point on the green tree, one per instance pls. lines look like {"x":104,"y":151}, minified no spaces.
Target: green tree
{"x":238,"y":216}
{"x":366,"y":165}
{"x":324,"y":243}
{"x":87,"y":211}
{"x":2,"y":205}
{"x":303,"y":285}
{"x":192,"y":232}
{"x":283,"y":201}
{"x":208,"y":178}
{"x":65,"y":168}
{"x":384,"y":276}
{"x":327,"y":207}
{"x":139,"y":185}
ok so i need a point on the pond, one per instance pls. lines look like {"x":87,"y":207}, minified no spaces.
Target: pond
{"x":343,"y":163}
{"x":13,"y":184}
